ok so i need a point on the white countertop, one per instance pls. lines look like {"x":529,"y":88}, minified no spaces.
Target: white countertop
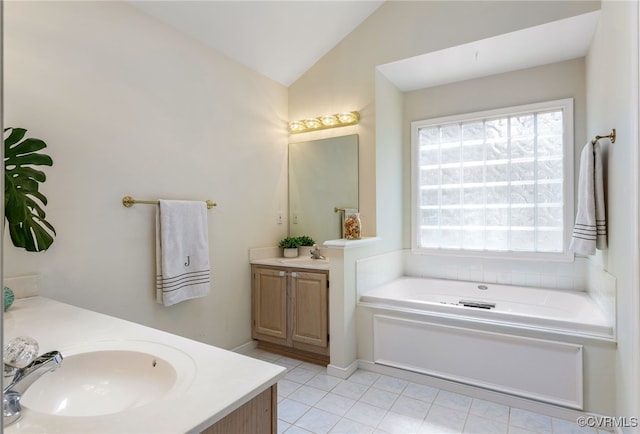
{"x":343,"y":243}
{"x":298,"y":262}
{"x":222,"y":380}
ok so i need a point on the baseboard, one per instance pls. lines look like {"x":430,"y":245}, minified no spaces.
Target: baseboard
{"x":245,"y":348}
{"x":340,"y":372}
{"x":294,"y":353}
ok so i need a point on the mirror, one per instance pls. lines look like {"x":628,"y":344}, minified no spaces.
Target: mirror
{"x":323,"y":175}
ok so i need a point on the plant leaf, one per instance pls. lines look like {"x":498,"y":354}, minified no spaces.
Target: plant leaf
{"x":27,"y":146}
{"x":26,"y":218}
{"x":14,"y":137}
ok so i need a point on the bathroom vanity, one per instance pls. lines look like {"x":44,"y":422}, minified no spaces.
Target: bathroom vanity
{"x":290,"y":307}
{"x":136,"y":379}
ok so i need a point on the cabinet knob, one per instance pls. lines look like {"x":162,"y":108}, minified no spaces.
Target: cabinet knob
{"x":294,"y":274}
{"x":282,"y":273}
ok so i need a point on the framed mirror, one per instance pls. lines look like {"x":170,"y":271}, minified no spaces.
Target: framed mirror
{"x":323,"y":176}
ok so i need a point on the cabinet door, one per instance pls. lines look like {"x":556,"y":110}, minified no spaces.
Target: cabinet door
{"x":309,"y":300}
{"x":269,"y":304}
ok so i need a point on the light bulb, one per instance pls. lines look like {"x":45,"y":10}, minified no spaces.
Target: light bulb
{"x":296,"y":126}
{"x":346,"y":118}
{"x":312,"y":123}
{"x":328,"y":120}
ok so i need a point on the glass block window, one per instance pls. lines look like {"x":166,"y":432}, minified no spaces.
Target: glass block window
{"x":496,"y":181}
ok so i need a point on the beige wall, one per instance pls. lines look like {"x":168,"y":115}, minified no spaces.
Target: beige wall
{"x":128,"y":106}
{"x":612,"y":102}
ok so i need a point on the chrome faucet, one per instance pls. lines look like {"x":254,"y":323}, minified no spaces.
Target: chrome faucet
{"x":315,"y":252}
{"x":25,"y":377}
{"x":20,"y":378}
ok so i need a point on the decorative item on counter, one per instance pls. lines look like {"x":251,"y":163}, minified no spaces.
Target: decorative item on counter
{"x":8,"y":298}
{"x":290,"y":246}
{"x":306,"y":243}
{"x":352,"y":226}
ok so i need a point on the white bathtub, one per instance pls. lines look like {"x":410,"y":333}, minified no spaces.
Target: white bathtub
{"x":564,"y":311}
{"x":535,"y":343}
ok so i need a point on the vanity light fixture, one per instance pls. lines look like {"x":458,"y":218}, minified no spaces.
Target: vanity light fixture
{"x":324,"y":122}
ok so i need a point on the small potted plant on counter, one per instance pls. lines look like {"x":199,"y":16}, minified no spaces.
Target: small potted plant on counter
{"x":290,"y":246}
{"x":306,"y":243}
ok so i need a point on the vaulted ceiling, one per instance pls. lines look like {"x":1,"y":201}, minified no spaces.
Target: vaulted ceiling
{"x":283,"y":39}
{"x":279,"y":39}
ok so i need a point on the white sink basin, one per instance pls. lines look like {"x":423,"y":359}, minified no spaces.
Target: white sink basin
{"x":110,"y":377}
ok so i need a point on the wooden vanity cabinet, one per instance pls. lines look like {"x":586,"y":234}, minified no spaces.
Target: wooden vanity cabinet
{"x":290,"y":311}
{"x":270,"y":304}
{"x":260,"y":415}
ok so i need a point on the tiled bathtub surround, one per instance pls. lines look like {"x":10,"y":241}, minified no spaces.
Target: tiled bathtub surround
{"x":579,"y":275}
{"x":561,"y":275}
{"x":310,"y":401}
{"x":508,"y":272}
{"x":602,"y":287}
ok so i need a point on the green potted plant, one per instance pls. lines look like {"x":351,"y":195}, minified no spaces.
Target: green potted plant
{"x":306,"y":242}
{"x":290,"y":246}
{"x":23,"y":202}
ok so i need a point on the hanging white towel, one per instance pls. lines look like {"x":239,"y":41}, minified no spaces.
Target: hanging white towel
{"x":182,"y":251}
{"x":590,"y":229}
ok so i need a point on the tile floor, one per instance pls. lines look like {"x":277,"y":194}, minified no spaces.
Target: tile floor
{"x":310,"y":401}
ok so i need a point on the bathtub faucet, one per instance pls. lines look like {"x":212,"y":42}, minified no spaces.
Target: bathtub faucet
{"x":20,"y":378}
{"x":315,"y":252}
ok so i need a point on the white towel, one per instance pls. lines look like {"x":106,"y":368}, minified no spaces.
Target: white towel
{"x":182,"y":251}
{"x":590,"y":229}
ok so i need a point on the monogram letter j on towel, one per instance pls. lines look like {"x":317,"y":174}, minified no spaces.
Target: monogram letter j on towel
{"x":182,"y":251}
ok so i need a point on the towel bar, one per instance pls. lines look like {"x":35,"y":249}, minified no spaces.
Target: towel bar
{"x":611,"y":136}
{"x":128,"y":201}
